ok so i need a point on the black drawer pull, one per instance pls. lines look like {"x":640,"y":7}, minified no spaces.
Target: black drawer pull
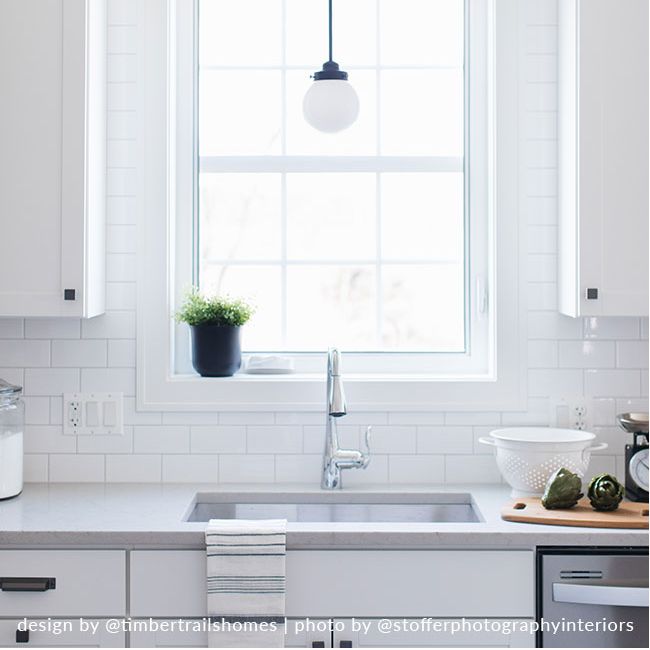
{"x":22,"y":636}
{"x":27,"y":584}
{"x":345,"y":644}
{"x":318,"y":644}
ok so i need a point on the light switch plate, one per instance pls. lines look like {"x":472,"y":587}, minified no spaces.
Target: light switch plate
{"x":88,"y":414}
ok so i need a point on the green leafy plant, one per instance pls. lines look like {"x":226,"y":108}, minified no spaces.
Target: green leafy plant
{"x":563,"y":490}
{"x":198,"y":309}
{"x":605,"y":492}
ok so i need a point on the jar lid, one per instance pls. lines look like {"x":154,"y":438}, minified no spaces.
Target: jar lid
{"x":7,"y":389}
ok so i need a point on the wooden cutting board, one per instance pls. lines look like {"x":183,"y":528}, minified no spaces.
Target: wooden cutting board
{"x":531,"y":510}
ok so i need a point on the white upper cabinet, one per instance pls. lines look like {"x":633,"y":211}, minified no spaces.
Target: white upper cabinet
{"x":52,"y":157}
{"x":603,"y":157}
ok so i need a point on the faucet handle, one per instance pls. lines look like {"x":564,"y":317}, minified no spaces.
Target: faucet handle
{"x":366,"y":451}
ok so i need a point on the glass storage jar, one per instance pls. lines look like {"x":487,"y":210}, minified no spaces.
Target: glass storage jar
{"x":12,"y":417}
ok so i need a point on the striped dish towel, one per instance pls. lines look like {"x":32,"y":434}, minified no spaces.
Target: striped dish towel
{"x":245,"y":582}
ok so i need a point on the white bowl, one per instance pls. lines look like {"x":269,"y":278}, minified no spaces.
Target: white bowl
{"x":527,"y":456}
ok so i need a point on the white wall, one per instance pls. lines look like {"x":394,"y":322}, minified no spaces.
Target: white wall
{"x":603,"y":359}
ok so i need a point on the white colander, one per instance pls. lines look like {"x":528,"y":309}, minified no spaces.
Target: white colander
{"x":527,"y":456}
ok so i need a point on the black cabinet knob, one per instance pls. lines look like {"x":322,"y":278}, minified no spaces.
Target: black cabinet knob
{"x":22,"y":636}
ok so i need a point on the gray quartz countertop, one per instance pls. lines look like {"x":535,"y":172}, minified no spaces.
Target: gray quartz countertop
{"x":153,"y":516}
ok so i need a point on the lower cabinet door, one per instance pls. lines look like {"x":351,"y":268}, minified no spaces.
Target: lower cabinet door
{"x":300,"y":633}
{"x":431,"y":633}
{"x":59,"y":633}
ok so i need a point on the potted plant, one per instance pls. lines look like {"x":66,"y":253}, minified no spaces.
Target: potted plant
{"x":214,"y":323}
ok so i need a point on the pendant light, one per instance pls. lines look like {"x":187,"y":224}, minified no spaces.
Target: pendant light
{"x":331,"y":103}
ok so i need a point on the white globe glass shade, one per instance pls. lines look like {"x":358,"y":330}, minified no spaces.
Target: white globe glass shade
{"x":330,"y":105}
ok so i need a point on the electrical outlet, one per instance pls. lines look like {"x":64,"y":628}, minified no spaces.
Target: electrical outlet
{"x":571,"y":413}
{"x":93,"y":414}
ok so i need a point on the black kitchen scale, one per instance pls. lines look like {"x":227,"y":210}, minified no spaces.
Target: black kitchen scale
{"x":636,"y":455}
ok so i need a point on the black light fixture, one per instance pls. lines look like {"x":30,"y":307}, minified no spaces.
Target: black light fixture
{"x":331,"y":103}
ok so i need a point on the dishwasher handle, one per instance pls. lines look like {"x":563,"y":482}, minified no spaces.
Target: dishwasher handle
{"x":600,"y":595}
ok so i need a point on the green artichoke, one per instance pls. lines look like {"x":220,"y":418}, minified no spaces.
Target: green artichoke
{"x":605,"y":492}
{"x":563,"y":489}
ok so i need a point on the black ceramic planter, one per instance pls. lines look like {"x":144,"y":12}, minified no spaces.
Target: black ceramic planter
{"x":216,"y":351}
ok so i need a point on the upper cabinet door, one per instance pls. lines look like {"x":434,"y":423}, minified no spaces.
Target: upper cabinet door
{"x":52,"y":157}
{"x":603,"y":157}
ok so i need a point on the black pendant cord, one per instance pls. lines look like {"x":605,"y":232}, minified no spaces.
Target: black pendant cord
{"x":330,"y":30}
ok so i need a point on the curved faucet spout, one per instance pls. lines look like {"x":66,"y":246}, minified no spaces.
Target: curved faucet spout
{"x":336,"y":459}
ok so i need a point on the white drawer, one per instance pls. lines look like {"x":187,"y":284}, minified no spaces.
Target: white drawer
{"x":355,"y":583}
{"x":86,"y":583}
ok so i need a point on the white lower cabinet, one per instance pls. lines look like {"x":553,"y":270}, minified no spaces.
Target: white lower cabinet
{"x":493,"y":589}
{"x":58,"y":633}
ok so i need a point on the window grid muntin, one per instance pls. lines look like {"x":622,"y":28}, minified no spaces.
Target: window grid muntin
{"x":365,"y":163}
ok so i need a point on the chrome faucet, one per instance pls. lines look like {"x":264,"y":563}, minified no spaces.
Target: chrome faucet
{"x":336,"y":459}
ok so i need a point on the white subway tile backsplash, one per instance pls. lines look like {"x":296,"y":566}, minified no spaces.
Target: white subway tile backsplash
{"x":246,"y":468}
{"x":121,"y":209}
{"x":541,"y":68}
{"x":393,"y":439}
{"x":134,"y":468}
{"x":613,"y":383}
{"x":11,"y":328}
{"x":74,"y":468}
{"x":255,"y":417}
{"x":632,"y":354}
{"x":37,"y":410}
{"x":541,"y":210}
{"x":121,"y":153}
{"x":35,"y":468}
{"x":78,"y":354}
{"x":218,"y":439}
{"x":476,"y":417}
{"x":444,"y":440}
{"x":121,"y":125}
{"x":121,"y":181}
{"x":375,"y":474}
{"x":121,"y":267}
{"x":122,"y":39}
{"x":24,"y":354}
{"x":403,"y":417}
{"x":121,"y":296}
{"x":596,"y":327}
{"x":541,"y":296}
{"x":122,"y":12}
{"x":121,"y":353}
{"x":56,"y":410}
{"x":554,"y":382}
{"x":551,"y":325}
{"x":122,"y":96}
{"x":111,"y":325}
{"x":542,"y":268}
{"x":47,"y":439}
{"x":587,"y":354}
{"x":192,"y":417}
{"x":542,"y":239}
{"x":51,"y":381}
{"x":541,"y":125}
{"x":541,"y":39}
{"x":423,"y":468}
{"x":274,"y":440}
{"x":161,"y":439}
{"x":298,"y":468}
{"x":100,"y":444}
{"x":542,"y":354}
{"x":121,"y":68}
{"x":120,"y":239}
{"x":108,"y":380}
{"x":471,"y":469}
{"x":190,"y":469}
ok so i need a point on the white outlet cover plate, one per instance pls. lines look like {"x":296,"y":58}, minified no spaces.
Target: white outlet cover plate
{"x":83,"y":429}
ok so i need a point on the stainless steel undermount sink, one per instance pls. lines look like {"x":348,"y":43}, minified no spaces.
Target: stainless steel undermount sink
{"x":337,"y":507}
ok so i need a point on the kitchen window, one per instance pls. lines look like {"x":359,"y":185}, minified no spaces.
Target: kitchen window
{"x":378,"y":239}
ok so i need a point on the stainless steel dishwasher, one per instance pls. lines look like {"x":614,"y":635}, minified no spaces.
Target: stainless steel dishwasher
{"x":592,"y":597}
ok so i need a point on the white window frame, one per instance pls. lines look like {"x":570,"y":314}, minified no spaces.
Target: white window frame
{"x":166,"y":160}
